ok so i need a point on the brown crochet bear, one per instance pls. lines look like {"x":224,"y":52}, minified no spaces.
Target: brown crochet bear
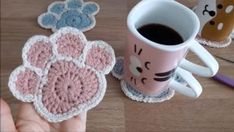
{"x":216,"y":18}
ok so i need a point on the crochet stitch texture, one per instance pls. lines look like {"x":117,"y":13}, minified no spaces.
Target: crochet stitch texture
{"x":73,"y":13}
{"x":63,"y":75}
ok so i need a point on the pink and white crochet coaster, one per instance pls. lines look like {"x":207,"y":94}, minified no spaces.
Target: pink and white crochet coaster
{"x":62,"y":75}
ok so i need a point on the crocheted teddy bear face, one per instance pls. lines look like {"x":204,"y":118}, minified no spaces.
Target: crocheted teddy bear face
{"x":216,"y":18}
{"x":63,"y":75}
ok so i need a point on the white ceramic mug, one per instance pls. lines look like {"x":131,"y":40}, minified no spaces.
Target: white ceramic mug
{"x":149,"y":66}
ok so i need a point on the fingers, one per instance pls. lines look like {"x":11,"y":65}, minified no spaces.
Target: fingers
{"x":28,"y":119}
{"x":7,"y":123}
{"x":76,"y":124}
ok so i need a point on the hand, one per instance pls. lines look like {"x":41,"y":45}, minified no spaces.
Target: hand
{"x":29,"y":121}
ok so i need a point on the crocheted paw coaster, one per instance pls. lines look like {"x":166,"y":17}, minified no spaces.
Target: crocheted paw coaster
{"x":63,"y":75}
{"x":214,"y":44}
{"x":73,"y":13}
{"x":134,"y":94}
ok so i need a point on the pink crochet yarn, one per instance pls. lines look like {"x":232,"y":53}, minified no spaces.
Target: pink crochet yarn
{"x":68,"y":86}
{"x":70,"y":45}
{"x":39,"y":54}
{"x":26,"y":82}
{"x":98,"y":58}
{"x":65,"y":74}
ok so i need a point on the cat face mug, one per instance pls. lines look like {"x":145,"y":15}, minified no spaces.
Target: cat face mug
{"x":153,"y":59}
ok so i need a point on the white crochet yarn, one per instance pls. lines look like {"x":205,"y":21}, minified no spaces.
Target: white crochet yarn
{"x":214,"y":44}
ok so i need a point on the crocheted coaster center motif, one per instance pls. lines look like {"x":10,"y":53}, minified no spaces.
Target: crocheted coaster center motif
{"x":68,"y":87}
{"x":63,"y":75}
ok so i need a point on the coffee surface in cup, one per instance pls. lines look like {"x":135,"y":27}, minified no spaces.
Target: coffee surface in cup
{"x":160,"y":34}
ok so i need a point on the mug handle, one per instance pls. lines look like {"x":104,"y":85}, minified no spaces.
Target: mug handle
{"x":212,"y":65}
{"x":194,"y":90}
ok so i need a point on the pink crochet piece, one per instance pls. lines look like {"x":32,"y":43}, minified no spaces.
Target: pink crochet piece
{"x":26,"y":82}
{"x":39,"y":54}
{"x":68,"y":86}
{"x":70,"y":45}
{"x":63,"y":75}
{"x":98,"y":58}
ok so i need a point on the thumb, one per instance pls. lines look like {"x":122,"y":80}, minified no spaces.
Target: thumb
{"x":75,"y":124}
{"x":7,"y":123}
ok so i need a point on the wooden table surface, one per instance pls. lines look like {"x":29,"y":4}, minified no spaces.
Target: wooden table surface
{"x":212,"y":112}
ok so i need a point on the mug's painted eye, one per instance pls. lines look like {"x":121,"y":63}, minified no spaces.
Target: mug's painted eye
{"x":139,"y":69}
{"x":147,"y":63}
{"x":143,"y":80}
{"x":212,"y":23}
{"x":219,"y":6}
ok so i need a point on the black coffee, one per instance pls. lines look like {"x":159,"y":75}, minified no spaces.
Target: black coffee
{"x":160,"y":34}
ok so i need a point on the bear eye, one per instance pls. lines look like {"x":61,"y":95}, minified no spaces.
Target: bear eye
{"x":212,"y":23}
{"x":219,"y":6}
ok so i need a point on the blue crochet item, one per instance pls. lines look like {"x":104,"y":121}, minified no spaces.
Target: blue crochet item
{"x":73,"y":13}
{"x":118,"y":69}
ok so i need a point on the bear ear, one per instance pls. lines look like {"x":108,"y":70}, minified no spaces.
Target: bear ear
{"x":100,"y":56}
{"x":23,"y":84}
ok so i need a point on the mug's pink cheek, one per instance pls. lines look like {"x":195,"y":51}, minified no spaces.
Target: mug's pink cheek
{"x":27,"y":82}
{"x":68,"y":86}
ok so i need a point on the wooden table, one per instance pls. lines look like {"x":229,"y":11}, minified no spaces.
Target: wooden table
{"x":212,"y":112}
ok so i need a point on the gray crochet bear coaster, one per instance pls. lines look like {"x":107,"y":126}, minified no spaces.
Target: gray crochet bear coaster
{"x":134,"y":94}
{"x":72,"y":13}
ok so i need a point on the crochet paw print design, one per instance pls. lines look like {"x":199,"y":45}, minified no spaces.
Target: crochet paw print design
{"x":73,"y":13}
{"x":63,"y":75}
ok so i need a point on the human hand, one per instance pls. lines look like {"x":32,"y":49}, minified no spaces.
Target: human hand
{"x":29,"y":121}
